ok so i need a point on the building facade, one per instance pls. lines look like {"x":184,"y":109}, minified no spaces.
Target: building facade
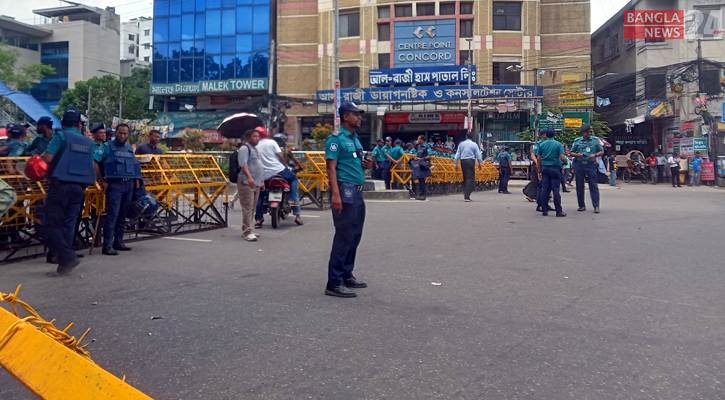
{"x":136,"y":43}
{"x":408,"y":62}
{"x":78,"y":41}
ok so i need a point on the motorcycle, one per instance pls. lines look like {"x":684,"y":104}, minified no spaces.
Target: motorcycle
{"x":277,"y":201}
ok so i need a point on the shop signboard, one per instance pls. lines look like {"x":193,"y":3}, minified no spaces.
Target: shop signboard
{"x":428,"y":117}
{"x":722,"y":119}
{"x":691,"y":146}
{"x":707,"y":172}
{"x":631,"y":142}
{"x":721,"y":126}
{"x":576,"y":100}
{"x":688,"y":125}
{"x":406,"y":76}
{"x":700,"y":146}
{"x":659,"y":108}
{"x":561,"y":121}
{"x":229,"y":85}
{"x":383,"y":95}
{"x":197,"y":120}
{"x":425,"y":43}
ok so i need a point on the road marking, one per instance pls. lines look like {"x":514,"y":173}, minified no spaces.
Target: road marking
{"x":188,"y":239}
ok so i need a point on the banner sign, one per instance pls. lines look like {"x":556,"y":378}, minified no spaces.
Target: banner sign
{"x":659,"y":108}
{"x":422,"y":118}
{"x":691,"y":146}
{"x":196,"y":120}
{"x":381,"y":95}
{"x":425,"y":43}
{"x":707,"y":171}
{"x":570,"y":83}
{"x":443,"y":74}
{"x":561,"y":121}
{"x":575,"y":100}
{"x":210,"y":86}
{"x":688,"y":125}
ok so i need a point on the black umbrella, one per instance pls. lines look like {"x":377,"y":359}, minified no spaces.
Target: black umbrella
{"x":235,"y":126}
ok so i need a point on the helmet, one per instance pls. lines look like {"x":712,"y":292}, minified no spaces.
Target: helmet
{"x":281,"y":139}
{"x":35,"y":168}
{"x":144,"y":206}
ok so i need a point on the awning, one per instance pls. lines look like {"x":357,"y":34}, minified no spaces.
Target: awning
{"x":28,"y":104}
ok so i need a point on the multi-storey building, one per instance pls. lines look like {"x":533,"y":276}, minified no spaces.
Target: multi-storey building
{"x":407,"y":62}
{"x":136,"y":43}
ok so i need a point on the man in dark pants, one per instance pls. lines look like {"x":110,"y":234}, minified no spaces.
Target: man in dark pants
{"x":505,"y":173}
{"x":550,"y":156}
{"x":70,"y":158}
{"x":585,"y":150}
{"x":378,"y":157}
{"x":121,"y":170}
{"x":674,"y":162}
{"x":345,"y":169}
{"x":468,"y":153}
{"x":386,"y":165}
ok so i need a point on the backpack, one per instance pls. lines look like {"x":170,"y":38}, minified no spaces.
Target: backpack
{"x":234,"y":166}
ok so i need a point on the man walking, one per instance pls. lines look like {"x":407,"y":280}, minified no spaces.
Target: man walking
{"x":468,"y":153}
{"x":250,"y":182}
{"x":551,"y":156}
{"x":70,"y":160}
{"x":345,"y":171}
{"x":661,"y":162}
{"x":674,"y":163}
{"x":585,"y":151}
{"x":505,"y":173}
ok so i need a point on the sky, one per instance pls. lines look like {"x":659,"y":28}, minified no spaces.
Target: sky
{"x":602,"y":10}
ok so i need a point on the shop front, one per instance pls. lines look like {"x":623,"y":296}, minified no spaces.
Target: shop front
{"x":439,"y":126}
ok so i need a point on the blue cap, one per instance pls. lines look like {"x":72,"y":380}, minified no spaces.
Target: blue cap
{"x":14,"y":129}
{"x":380,"y":141}
{"x":97,"y":127}
{"x":549,"y":132}
{"x":71,"y":115}
{"x":45,"y":121}
{"x":388,"y":139}
{"x":109,"y":131}
{"x":585,"y":128}
{"x":398,"y":141}
{"x":346,"y":106}
{"x":408,"y":144}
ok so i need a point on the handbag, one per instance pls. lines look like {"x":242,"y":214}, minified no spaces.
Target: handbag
{"x":425,"y":164}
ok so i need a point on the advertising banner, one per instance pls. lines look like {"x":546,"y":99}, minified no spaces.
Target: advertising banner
{"x":561,"y":121}
{"x":421,"y":118}
{"x":425,"y":43}
{"x":659,"y":108}
{"x":570,"y":83}
{"x":691,"y":146}
{"x":196,"y":120}
{"x":382,"y":95}
{"x":575,"y":100}
{"x":707,"y":172}
{"x":229,"y":85}
{"x":440,"y":74}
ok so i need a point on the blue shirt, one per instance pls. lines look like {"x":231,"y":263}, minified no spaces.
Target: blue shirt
{"x":146,"y":148}
{"x":378,"y":154}
{"x":587,"y":148}
{"x":40,"y":143}
{"x":58,"y":138}
{"x":344,"y":147}
{"x":549,"y":150}
{"x":396,"y":152}
{"x":467,"y":150}
{"x":18,"y":150}
{"x":696,"y":163}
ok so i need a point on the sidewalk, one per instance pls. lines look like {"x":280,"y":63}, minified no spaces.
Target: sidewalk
{"x":520,"y":183}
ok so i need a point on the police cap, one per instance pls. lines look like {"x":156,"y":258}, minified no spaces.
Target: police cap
{"x":45,"y":121}
{"x":97,"y":127}
{"x":14,"y":129}
{"x":71,"y":116}
{"x":349,"y":106}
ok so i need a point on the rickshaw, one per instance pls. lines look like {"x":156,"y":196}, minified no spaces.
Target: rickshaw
{"x":637,"y":170}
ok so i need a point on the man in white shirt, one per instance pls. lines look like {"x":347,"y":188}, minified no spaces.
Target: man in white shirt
{"x":273,"y":162}
{"x":450,"y":145}
{"x":661,"y":161}
{"x":674,"y":163}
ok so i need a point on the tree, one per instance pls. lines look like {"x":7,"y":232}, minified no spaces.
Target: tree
{"x":601,"y":128}
{"x":320,"y":134}
{"x":21,"y":79}
{"x":193,"y":139}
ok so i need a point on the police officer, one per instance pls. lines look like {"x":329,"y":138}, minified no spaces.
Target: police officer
{"x":387,"y":164}
{"x":550,"y":156}
{"x":121,"y":169}
{"x":505,"y":173}
{"x":585,"y":151}
{"x":40,"y":143}
{"x":396,"y":157}
{"x":410,"y":148}
{"x":378,"y":157}
{"x":70,"y":159}
{"x":419,"y":172}
{"x":343,"y":155}
{"x":14,"y":146}
{"x":98,"y":131}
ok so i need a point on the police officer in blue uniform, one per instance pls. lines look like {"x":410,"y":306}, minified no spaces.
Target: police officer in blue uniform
{"x":70,"y":159}
{"x":504,"y":162}
{"x":550,"y":155}
{"x":41,"y":141}
{"x":585,"y":151}
{"x":98,"y":132}
{"x":121,"y":170}
{"x":387,"y":164}
{"x":419,"y":172}
{"x":345,"y":169}
{"x":378,"y":157}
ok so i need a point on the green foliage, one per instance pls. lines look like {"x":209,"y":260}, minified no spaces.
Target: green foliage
{"x":164,"y":148}
{"x":193,"y":139}
{"x":601,"y":128}
{"x":24,"y":78}
{"x":307,"y":145}
{"x":320,"y":134}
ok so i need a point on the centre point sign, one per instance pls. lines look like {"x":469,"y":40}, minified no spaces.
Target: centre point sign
{"x":425,"y":43}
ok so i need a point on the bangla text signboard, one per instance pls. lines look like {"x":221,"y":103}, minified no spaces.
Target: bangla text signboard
{"x":425,"y":43}
{"x":422,"y":118}
{"x":382,"y":95}
{"x":561,"y":121}
{"x":707,"y":172}
{"x":230,"y":85}
{"x":438,"y":74}
{"x":690,"y":146}
{"x":575,"y":100}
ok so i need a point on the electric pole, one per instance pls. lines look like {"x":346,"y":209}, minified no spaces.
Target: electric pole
{"x":336,"y":25}
{"x":270,"y":85}
{"x":469,"y":120}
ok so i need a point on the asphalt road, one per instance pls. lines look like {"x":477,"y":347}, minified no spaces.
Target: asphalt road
{"x":627,"y":304}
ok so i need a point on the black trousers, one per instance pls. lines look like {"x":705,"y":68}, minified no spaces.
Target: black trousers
{"x":469,"y":177}
{"x":503,"y":179}
{"x":675,"y":176}
{"x":661,"y":173}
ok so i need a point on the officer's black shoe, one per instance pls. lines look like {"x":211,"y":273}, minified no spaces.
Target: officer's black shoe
{"x":64,"y":269}
{"x":596,"y":210}
{"x":545,"y":213}
{"x":561,"y":214}
{"x":421,"y":198}
{"x":120,"y":246}
{"x":51,"y":259}
{"x":538,"y":208}
{"x":340,"y":291}
{"x":109,"y":251}
{"x":566,"y":191}
{"x":506,"y":192}
{"x":582,"y":209}
{"x":355,"y":284}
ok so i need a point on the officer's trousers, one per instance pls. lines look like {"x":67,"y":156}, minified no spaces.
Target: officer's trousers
{"x":587,"y":172}
{"x":60,"y":213}
{"x":550,"y":181}
{"x":469,"y":177}
{"x":348,"y":232}
{"x":385,"y":173}
{"x":118,"y":200}
{"x":503,"y":179}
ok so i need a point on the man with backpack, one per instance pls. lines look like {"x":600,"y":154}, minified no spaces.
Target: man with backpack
{"x":250,"y":182}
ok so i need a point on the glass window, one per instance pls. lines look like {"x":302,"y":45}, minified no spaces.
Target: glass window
{"x":173,"y":71}
{"x":506,"y":16}
{"x":131,"y":49}
{"x":147,"y":32}
{"x":447,"y":8}
{"x":349,"y":77}
{"x":211,"y":68}
{"x":54,"y":49}
{"x":175,"y":50}
{"x":174,"y":29}
{"x":384,"y":60}
{"x":244,"y":23}
{"x":260,"y":65}
{"x":198,"y":69}
{"x":213,"y":46}
{"x":229,"y":3}
{"x":654,"y":40}
{"x":187,"y":27}
{"x":261,"y":2}
{"x":187,"y":6}
{"x":146,"y":59}
{"x":425,"y":9}
{"x":200,"y":5}
{"x":211,"y":4}
{"x":227,"y":67}
{"x":228,"y":27}
{"x":130,"y":37}
{"x":161,"y":8}
{"x":175,"y":7}
{"x":655,"y":87}
{"x":260,"y":42}
{"x":159,"y":72}
{"x":350,"y":25}
{"x":161,"y":30}
{"x":404,"y":10}
{"x":383,"y":32}
{"x":244,"y":43}
{"x":199,"y":46}
{"x":244,"y":2}
{"x":213,"y":23}
{"x":243,"y":68}
{"x":467,"y":28}
{"x":229,"y":45}
{"x":384,"y":12}
{"x":161,"y":51}
{"x":187,"y":48}
{"x":467,"y":8}
{"x":187,"y":70}
{"x":502,"y":76}
{"x":261,"y":19}
{"x":199,"y":26}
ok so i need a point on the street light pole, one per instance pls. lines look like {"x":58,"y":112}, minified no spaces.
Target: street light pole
{"x":336,"y":87}
{"x":120,"y":99}
{"x":469,"y":120}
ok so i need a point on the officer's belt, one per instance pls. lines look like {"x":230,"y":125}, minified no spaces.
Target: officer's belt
{"x":118,"y":179}
{"x":359,"y":188}
{"x":584,"y":162}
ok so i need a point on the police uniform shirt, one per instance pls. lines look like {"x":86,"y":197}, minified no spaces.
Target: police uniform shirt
{"x":40,"y":143}
{"x":410,"y":151}
{"x":58,"y":137}
{"x":550,"y":150}
{"x":345,"y":148}
{"x":396,"y":152}
{"x":18,"y":150}
{"x":101,"y":154}
{"x":96,"y":147}
{"x":587,"y":148}
{"x":378,"y":154}
{"x":386,"y":151}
